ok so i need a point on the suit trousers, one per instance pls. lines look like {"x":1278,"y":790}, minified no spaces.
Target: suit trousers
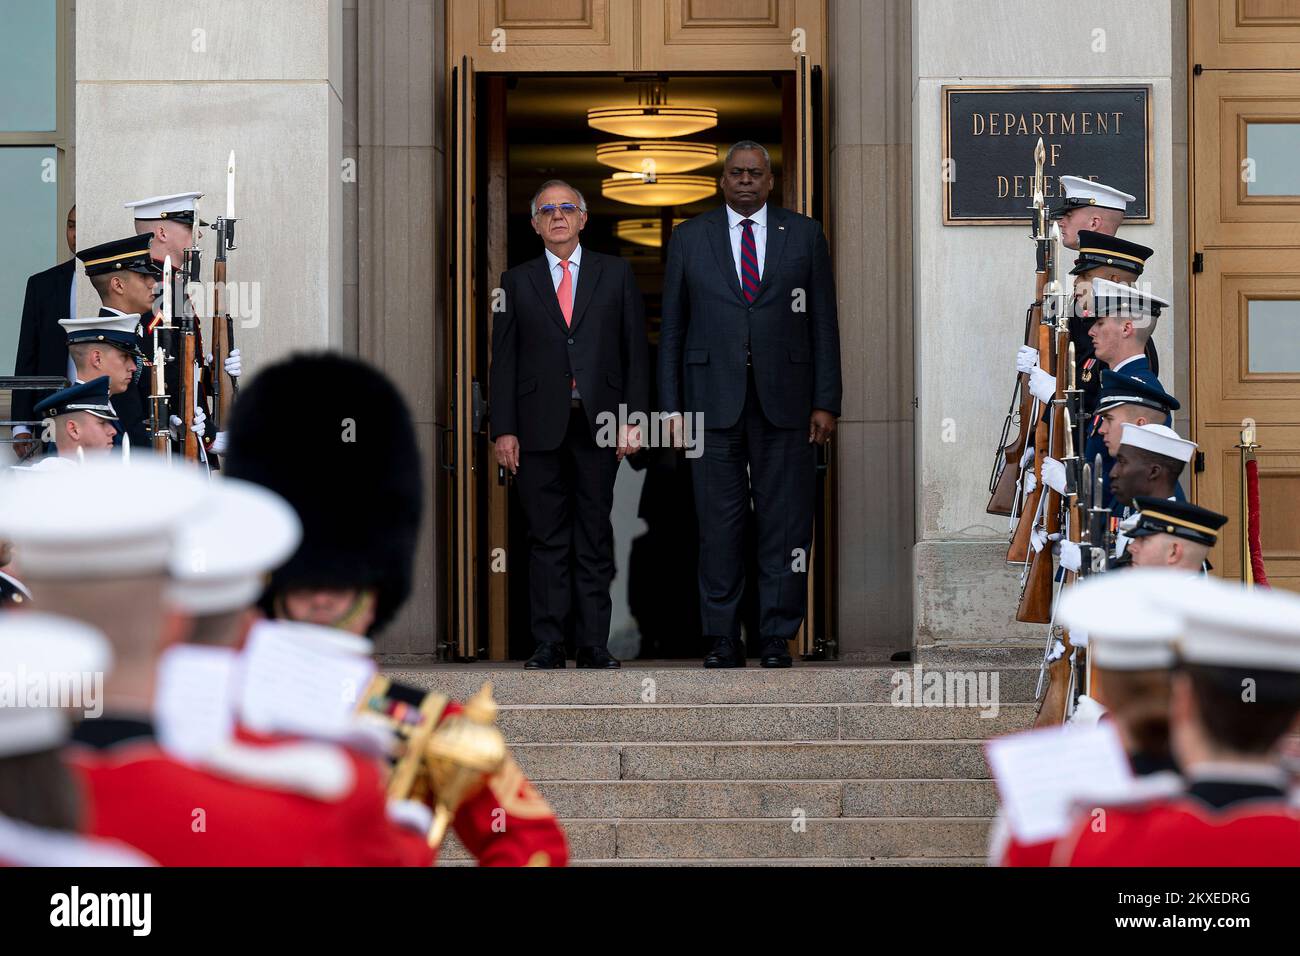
{"x":777,"y":467}
{"x":567,"y":495}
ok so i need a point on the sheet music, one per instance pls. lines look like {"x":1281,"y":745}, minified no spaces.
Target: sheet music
{"x":194,"y":704}
{"x":300,"y":686}
{"x":1041,"y":774}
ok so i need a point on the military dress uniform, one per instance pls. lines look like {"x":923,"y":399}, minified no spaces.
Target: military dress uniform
{"x":295,"y":804}
{"x":1100,"y":251}
{"x":369,"y":550}
{"x":1234,"y":811}
{"x":1121,"y":638}
{"x":1159,"y":440}
{"x":1122,"y":388}
{"x":38,"y":644}
{"x":184,"y":208}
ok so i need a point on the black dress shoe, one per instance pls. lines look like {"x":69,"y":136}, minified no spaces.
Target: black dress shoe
{"x":725,"y":653}
{"x":775,"y":654}
{"x":548,"y":656}
{"x":597,"y":657}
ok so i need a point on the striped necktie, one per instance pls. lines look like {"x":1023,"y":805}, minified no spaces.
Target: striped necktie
{"x":748,"y":260}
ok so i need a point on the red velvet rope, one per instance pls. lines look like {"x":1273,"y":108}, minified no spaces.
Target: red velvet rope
{"x":1252,"y":509}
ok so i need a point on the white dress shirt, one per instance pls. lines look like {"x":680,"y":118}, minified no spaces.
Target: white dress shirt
{"x":1122,"y":362}
{"x":736,"y":231}
{"x":575,"y":262}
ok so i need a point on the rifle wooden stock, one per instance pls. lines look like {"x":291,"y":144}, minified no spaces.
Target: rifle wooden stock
{"x":1019,"y":549}
{"x":1004,"y":493}
{"x":187,"y":395}
{"x":1051,"y":709}
{"x":1036,"y":597}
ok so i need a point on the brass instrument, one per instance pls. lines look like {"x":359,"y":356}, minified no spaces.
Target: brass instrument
{"x":436,"y":761}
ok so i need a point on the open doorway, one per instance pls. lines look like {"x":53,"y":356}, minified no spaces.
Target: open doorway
{"x":529,"y":128}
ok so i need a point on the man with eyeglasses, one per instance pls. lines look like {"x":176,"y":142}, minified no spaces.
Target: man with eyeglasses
{"x":568,"y":358}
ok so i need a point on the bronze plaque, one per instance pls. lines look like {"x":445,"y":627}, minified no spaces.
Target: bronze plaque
{"x":1102,"y":133}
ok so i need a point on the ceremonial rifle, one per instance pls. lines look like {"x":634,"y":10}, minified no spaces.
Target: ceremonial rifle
{"x":1036,"y":594}
{"x":224,"y":388}
{"x":160,"y":407}
{"x":186,"y":380}
{"x":1005,"y":483}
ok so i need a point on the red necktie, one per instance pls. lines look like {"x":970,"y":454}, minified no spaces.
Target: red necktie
{"x":748,"y":260}
{"x":565,"y":293}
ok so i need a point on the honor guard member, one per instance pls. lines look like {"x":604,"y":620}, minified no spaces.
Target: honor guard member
{"x":84,"y":420}
{"x":1171,"y":534}
{"x":108,"y":345}
{"x":1101,"y":257}
{"x":1132,"y":658}
{"x":1123,"y":322}
{"x":1086,"y":205}
{"x":126,"y":279}
{"x":1148,"y":462}
{"x":1126,"y":399}
{"x":112,"y":574}
{"x":42,"y":812}
{"x":172,"y":224}
{"x":13,"y":593}
{"x":353,"y":570}
{"x":1234,"y":809}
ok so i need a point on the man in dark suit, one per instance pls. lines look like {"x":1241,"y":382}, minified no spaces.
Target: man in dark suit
{"x":569,"y":372}
{"x":750,"y":341}
{"x":42,"y":344}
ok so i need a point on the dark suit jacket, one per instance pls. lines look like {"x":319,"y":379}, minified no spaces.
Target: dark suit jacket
{"x":534,"y":354}
{"x":707,"y":324}
{"x":42,"y":342}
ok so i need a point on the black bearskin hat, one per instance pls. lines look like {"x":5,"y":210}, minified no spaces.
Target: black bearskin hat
{"x":333,"y":437}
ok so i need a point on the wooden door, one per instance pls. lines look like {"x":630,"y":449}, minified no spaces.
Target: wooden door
{"x":608,"y":36}
{"x":1245,"y":198}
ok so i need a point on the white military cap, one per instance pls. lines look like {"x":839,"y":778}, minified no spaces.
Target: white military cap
{"x":222,"y":557}
{"x":178,"y":207}
{"x":48,"y":663}
{"x":121,"y":331}
{"x":1078,"y":192}
{"x":1160,"y":439}
{"x":1120,"y":298}
{"x":1128,"y":629}
{"x":1227,"y":624}
{"x":106,"y":519}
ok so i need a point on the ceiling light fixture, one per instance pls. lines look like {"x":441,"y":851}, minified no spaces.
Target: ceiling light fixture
{"x":668,"y":190}
{"x":656,"y":156}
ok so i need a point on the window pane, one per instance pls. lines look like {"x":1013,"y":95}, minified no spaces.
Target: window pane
{"x":1273,"y":147}
{"x":1274,"y":335}
{"x":28,"y":65}
{"x":29,"y":235}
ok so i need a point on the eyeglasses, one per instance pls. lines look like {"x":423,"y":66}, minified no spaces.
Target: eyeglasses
{"x":550,"y":209}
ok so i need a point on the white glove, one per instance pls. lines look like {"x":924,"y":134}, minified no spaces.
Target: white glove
{"x":1031,"y":481}
{"x":175,"y":423}
{"x":1037,"y":539}
{"x":1028,"y":456}
{"x":219,"y":444}
{"x":1026,"y":358}
{"x":1054,"y":475}
{"x":1070,"y":556}
{"x":1042,"y":385}
{"x":233,"y":365}
{"x":200,"y":420}
{"x":1087,"y":711}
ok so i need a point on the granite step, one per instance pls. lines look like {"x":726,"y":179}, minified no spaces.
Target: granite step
{"x":840,"y":838}
{"x":781,"y":799}
{"x":599,"y":723}
{"x":826,"y":760}
{"x":658,"y":683}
